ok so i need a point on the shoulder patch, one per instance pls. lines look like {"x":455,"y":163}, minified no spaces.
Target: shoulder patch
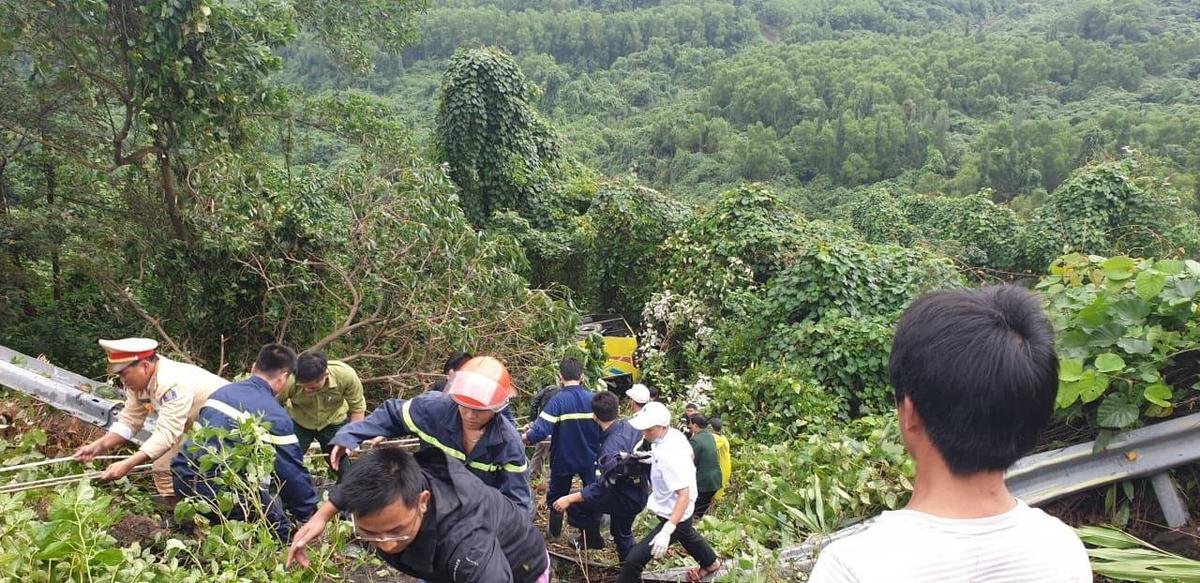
{"x":168,"y":396}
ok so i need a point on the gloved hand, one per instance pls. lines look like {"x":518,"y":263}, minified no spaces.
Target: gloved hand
{"x":662,"y":540}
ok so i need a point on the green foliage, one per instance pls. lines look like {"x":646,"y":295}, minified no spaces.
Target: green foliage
{"x":780,"y":494}
{"x":499,"y":150}
{"x":978,"y":232}
{"x":1112,"y":208}
{"x":1126,"y":334}
{"x":846,"y":354}
{"x":775,"y":405}
{"x":1122,"y":557}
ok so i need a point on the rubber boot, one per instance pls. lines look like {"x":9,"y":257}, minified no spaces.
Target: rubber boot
{"x":589,"y":538}
{"x":165,"y":506}
{"x":556,"y":522}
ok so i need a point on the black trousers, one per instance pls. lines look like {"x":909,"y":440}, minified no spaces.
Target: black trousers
{"x":703,"y":501}
{"x":639,"y":555}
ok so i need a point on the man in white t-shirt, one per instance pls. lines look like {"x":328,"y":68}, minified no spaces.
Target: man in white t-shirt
{"x":672,"y":498}
{"x":975,"y":377}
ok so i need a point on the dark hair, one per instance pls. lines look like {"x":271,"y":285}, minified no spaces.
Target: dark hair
{"x":653,"y":392}
{"x":456,"y":361}
{"x":699,"y":420}
{"x":274,"y":359}
{"x":311,"y":366}
{"x":570,"y":369}
{"x":380,"y":478}
{"x":716,"y":424}
{"x":605,"y":405}
{"x":980,"y":368}
{"x":691,"y":406}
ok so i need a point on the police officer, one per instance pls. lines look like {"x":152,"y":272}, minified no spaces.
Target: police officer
{"x":152,"y":383}
{"x":226,"y":409}
{"x":576,"y":437}
{"x":428,"y":516}
{"x":463,"y":422}
{"x":622,"y":483}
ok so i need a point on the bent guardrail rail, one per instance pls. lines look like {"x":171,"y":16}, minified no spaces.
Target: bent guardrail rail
{"x":1040,"y":478}
{"x":64,"y":390}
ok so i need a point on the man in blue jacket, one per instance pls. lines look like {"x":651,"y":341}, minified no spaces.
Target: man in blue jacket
{"x":576,"y":437}
{"x":226,"y":409}
{"x":463,"y":422}
{"x":622,"y":482}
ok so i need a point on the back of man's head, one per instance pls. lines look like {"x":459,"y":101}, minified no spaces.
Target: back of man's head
{"x":456,"y":361}
{"x":698,"y":420}
{"x":980,"y":369}
{"x":605,"y":406}
{"x":570,"y":369}
{"x":311,"y":366}
{"x":379,"y":478}
{"x":274,"y":360}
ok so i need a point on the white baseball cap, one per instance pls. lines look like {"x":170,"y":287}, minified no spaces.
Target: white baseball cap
{"x":654,"y":414}
{"x":639,"y":393}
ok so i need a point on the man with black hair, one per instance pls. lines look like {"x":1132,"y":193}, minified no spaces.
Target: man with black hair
{"x":322,"y":396}
{"x":975,"y":376}
{"x":541,"y":450}
{"x":576,"y":437}
{"x":429,"y":517}
{"x":455,"y":362}
{"x":226,"y":409}
{"x":622,"y":483}
{"x":708,"y":464}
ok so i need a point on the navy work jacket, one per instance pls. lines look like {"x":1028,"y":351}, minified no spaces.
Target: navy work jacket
{"x":576,"y":436}
{"x":622,"y":484}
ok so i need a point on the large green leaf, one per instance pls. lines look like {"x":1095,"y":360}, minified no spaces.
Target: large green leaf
{"x":1130,"y":311}
{"x":1149,"y":284}
{"x":1118,"y":268}
{"x":1160,"y":394}
{"x":1117,"y":412}
{"x":1069,"y":369}
{"x":1109,"y":362}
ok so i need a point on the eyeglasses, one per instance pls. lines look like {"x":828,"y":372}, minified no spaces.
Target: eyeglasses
{"x":387,"y":537}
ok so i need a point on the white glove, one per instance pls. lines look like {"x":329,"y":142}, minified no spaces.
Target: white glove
{"x":662,"y":540}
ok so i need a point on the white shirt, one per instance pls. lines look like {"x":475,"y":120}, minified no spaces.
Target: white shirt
{"x":1019,"y":546}
{"x":673,"y":469}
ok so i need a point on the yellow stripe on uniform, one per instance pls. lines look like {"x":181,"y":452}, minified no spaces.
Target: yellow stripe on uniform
{"x":450,"y":451}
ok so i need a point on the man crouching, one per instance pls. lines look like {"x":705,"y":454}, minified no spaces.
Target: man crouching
{"x":429,"y":517}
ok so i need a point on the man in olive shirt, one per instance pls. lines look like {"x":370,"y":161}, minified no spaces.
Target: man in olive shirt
{"x":324,"y":396}
{"x":708,"y":464}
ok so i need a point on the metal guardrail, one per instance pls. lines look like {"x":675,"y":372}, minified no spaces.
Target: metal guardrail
{"x":1040,"y":478}
{"x":64,"y":390}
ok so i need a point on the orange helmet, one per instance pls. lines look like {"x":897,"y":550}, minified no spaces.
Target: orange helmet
{"x":482,"y":384}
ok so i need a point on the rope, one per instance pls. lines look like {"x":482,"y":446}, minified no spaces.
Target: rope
{"x":59,"y":481}
{"x":54,"y":461}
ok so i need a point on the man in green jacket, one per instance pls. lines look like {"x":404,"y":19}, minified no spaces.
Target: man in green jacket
{"x":708,"y":464}
{"x":323,"y":396}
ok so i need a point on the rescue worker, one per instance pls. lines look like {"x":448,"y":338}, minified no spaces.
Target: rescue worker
{"x":708,"y":465}
{"x":153,"y":383}
{"x":429,"y":517}
{"x":541,"y":450}
{"x":639,"y":395}
{"x":723,"y":455}
{"x":226,"y":409}
{"x":322,"y":396}
{"x":621,"y":487}
{"x":462,"y":422}
{"x":575,"y":437}
{"x":672,"y":499}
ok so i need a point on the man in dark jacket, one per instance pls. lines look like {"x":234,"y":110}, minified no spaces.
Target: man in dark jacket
{"x":622,"y":482}
{"x":575,"y":441}
{"x":537,"y":462}
{"x":708,"y":464}
{"x":455,"y":422}
{"x":226,"y":409}
{"x":429,"y":517}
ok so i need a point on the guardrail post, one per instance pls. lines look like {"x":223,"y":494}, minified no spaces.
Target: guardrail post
{"x":1173,"y":507}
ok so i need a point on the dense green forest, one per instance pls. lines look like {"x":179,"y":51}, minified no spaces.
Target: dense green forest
{"x":759,"y":187}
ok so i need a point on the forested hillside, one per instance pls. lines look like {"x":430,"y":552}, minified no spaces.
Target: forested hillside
{"x":760,"y":188}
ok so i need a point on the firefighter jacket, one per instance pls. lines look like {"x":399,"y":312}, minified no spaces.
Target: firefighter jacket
{"x":622,"y":483}
{"x":575,"y":436}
